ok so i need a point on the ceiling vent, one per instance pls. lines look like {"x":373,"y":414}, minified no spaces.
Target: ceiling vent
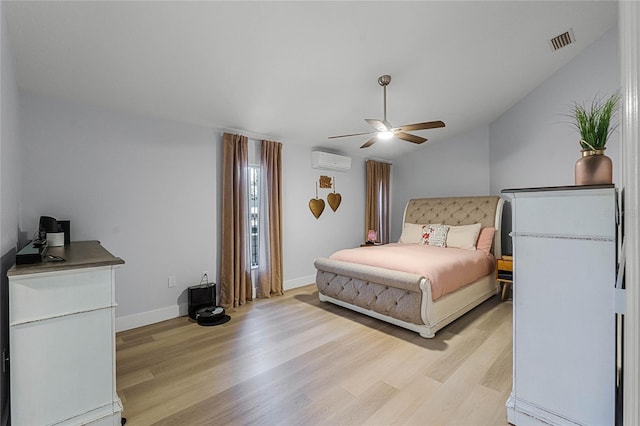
{"x":562,"y":40}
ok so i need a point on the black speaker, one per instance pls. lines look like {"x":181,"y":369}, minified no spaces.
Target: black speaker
{"x":201,"y":296}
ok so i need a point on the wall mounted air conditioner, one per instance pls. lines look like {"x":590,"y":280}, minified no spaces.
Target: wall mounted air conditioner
{"x":327,"y":161}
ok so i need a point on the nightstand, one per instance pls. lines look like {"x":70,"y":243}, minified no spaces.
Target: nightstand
{"x":504,"y":273}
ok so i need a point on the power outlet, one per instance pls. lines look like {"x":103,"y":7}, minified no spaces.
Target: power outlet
{"x":205,"y":277}
{"x":172,"y":281}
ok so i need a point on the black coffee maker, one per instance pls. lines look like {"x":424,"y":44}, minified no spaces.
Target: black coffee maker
{"x":49,"y":224}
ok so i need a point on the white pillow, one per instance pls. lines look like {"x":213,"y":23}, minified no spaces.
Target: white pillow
{"x":411,"y":233}
{"x":463,"y":236}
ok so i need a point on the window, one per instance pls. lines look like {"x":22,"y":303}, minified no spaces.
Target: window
{"x":254,"y":218}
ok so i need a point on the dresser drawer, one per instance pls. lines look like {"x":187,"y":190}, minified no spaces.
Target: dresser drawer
{"x":62,"y":368}
{"x":575,"y":213}
{"x":48,"y":295}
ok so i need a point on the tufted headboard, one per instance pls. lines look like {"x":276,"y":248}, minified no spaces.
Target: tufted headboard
{"x":486,"y":210}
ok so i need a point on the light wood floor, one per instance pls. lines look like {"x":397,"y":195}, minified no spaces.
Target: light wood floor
{"x":293,"y":360}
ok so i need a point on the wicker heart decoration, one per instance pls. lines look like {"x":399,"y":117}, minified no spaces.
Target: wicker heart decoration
{"x":317,"y":206}
{"x":334,"y":200}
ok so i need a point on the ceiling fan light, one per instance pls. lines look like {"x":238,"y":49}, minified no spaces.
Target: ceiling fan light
{"x":385,"y":135}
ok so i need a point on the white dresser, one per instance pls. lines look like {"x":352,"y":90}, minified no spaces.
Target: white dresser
{"x":564,"y":252}
{"x":62,"y":339}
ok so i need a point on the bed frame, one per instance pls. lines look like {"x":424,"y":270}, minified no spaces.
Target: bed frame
{"x":402,"y":298}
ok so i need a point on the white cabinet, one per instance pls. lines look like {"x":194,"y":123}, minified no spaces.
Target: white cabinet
{"x":564,"y":252}
{"x":62,"y":339}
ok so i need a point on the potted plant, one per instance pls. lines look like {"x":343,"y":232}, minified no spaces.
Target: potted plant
{"x":594,"y":122}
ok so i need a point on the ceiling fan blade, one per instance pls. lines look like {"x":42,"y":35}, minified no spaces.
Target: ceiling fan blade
{"x":410,"y":138}
{"x":379,"y":125}
{"x":353,"y":134}
{"x":420,"y":126}
{"x":370,"y":142}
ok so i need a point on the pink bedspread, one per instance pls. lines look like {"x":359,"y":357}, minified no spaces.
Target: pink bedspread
{"x":447,"y":269}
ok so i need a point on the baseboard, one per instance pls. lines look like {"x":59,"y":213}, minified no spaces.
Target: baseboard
{"x":150,"y":317}
{"x":299,"y":282}
{"x":169,"y":312}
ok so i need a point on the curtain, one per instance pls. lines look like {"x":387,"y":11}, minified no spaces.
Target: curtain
{"x":235,"y":270}
{"x":377,"y":199}
{"x":270,"y":276}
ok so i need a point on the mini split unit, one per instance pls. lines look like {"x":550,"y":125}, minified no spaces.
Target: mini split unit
{"x":327,"y":161}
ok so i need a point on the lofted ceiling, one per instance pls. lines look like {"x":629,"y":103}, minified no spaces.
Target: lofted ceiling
{"x":301,"y":71}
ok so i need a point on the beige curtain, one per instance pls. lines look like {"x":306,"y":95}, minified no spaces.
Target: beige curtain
{"x":235,"y":271}
{"x":270,"y":276}
{"x":377,"y":199}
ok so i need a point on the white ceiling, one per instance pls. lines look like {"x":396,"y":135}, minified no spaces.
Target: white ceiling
{"x":299,"y":72}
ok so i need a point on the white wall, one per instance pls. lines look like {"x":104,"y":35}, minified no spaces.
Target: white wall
{"x":306,"y":237}
{"x":148,"y":189}
{"x":456,"y":167}
{"x":531,"y":144}
{"x":9,"y":194}
{"x":9,"y":147}
{"x":143,"y":187}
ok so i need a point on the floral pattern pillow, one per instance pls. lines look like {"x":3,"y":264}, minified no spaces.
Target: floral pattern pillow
{"x":434,"y":235}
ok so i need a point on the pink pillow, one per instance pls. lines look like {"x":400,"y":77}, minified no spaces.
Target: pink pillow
{"x":485,"y":239}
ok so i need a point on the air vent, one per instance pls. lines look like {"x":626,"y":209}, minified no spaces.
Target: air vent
{"x":328,"y":161}
{"x":562,"y":40}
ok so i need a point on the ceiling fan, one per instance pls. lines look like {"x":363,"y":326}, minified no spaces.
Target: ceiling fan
{"x":384,"y":130}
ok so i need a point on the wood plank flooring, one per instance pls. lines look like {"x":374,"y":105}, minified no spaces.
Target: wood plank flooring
{"x":293,"y":360}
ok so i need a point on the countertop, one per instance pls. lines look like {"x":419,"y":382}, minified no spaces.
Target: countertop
{"x":558,"y":188}
{"x":77,"y":255}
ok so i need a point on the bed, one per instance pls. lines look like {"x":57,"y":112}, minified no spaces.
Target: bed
{"x":404,"y":297}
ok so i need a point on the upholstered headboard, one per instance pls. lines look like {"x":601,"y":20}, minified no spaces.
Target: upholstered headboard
{"x":486,"y":210}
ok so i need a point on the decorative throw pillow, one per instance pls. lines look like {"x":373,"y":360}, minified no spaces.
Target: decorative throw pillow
{"x":463,"y":236}
{"x":434,"y":235}
{"x":485,"y":239}
{"x":411,"y":233}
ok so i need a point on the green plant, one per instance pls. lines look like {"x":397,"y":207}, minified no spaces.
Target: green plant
{"x":594,"y":122}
